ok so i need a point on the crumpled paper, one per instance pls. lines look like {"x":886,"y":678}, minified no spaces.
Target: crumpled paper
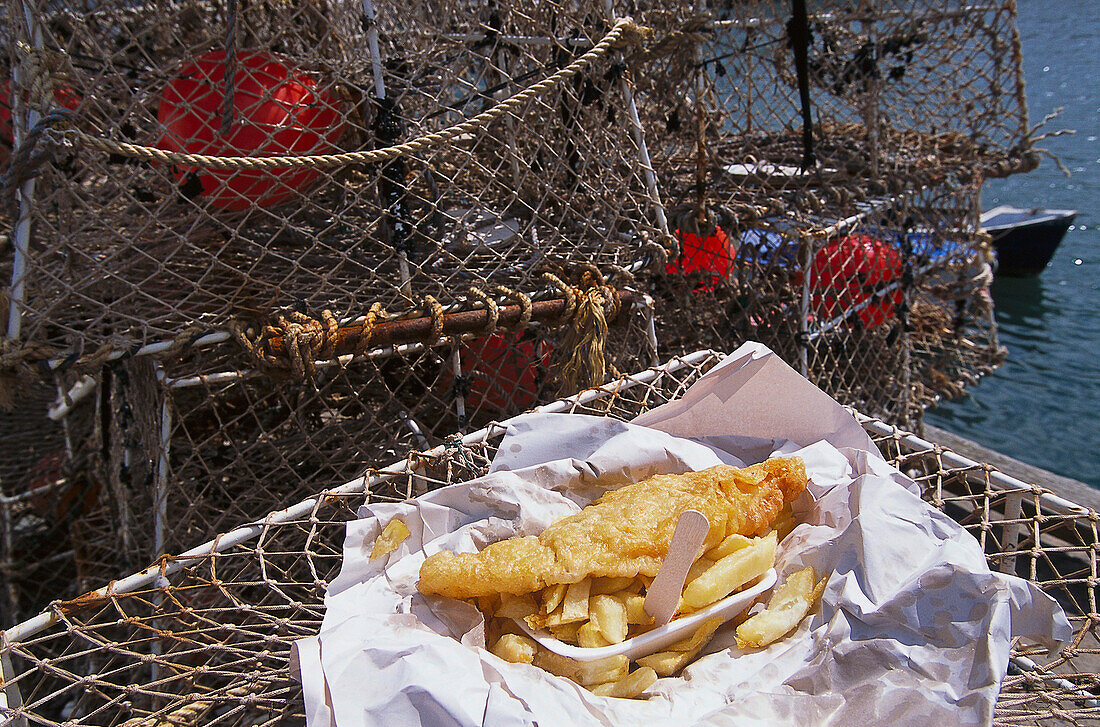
{"x":913,"y":627}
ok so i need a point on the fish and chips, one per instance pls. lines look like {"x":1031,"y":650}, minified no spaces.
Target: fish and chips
{"x":585,"y":577}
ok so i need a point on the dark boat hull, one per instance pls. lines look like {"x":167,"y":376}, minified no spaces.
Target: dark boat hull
{"x":1026,"y":249}
{"x":1025,"y":239}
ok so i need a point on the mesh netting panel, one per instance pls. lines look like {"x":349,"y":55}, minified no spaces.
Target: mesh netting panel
{"x":205,"y":638}
{"x":135,"y":250}
{"x":846,"y":239}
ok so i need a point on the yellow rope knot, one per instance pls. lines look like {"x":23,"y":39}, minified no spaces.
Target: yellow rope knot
{"x":522,"y":300}
{"x":490,"y":305}
{"x":375,"y":314}
{"x":588,"y":310}
{"x":305,"y":341}
{"x":434,"y":309}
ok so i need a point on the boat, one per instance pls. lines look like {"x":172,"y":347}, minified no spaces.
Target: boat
{"x":1025,"y":239}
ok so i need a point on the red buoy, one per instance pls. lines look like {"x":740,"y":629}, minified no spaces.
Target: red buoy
{"x":503,"y":372}
{"x":277,"y":110}
{"x":709,"y":257}
{"x":847,"y":271}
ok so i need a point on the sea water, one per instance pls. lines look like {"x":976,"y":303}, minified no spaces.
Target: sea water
{"x":1043,"y":405}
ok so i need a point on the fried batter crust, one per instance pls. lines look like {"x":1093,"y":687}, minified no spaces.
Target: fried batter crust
{"x":624,"y":533}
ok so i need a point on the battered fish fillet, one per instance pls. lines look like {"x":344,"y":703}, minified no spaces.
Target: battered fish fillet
{"x":624,"y":533}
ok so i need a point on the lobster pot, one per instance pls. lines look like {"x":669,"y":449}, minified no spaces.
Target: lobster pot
{"x":205,"y":638}
{"x":190,"y":446}
{"x":826,"y":219}
{"x":514,"y":154}
{"x":881,"y":313}
{"x":210,"y":315}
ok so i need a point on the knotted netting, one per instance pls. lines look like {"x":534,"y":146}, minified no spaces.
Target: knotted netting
{"x":823,"y":172}
{"x":204,"y":637}
{"x":251,"y":246}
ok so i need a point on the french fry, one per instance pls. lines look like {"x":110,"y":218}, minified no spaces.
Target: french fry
{"x":635,"y":610}
{"x":699,"y":639}
{"x":574,"y":607}
{"x":567,"y":632}
{"x":515,"y":648}
{"x":609,"y":584}
{"x":589,"y":636}
{"x":539,"y":620}
{"x":585,"y":673}
{"x":516,"y":606}
{"x":554,"y":619}
{"x":730,"y":573}
{"x":389,"y":539}
{"x":729,"y":545}
{"x":629,"y":686}
{"x":667,"y":663}
{"x":552,"y":596}
{"x":609,"y":615}
{"x":819,"y":589}
{"x":697,"y":568}
{"x":788,"y":606}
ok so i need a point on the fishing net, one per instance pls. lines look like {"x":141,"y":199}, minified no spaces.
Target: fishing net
{"x":823,"y":180}
{"x":250,"y":245}
{"x":204,"y":637}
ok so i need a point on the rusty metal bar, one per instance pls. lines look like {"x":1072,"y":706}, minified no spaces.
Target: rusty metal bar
{"x":412,"y":330}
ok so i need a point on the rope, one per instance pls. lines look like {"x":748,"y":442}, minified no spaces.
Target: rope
{"x":22,"y":361}
{"x":305,"y":340}
{"x":568,"y":291}
{"x":184,"y":340}
{"x":39,"y":65}
{"x":15,"y":358}
{"x":490,"y":305}
{"x":658,"y":252}
{"x":30,"y":155}
{"x":367,"y":331}
{"x":586,"y":315}
{"x":522,"y":300}
{"x":435,"y":310}
{"x":190,"y":713}
{"x":624,"y":32}
{"x":680,"y":43}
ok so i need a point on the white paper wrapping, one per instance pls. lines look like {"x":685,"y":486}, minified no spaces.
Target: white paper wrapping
{"x":913,"y":627}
